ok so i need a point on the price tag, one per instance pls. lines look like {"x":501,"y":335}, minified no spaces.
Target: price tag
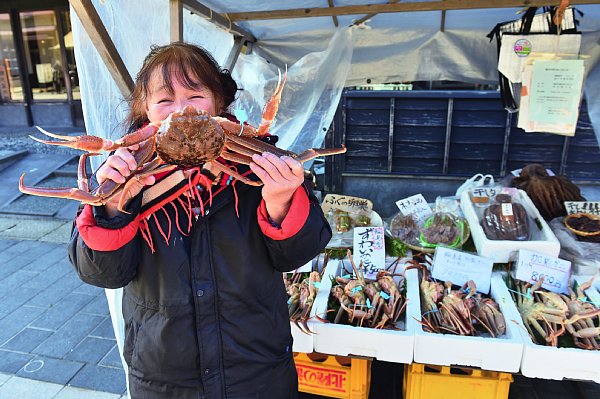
{"x":531,"y":266}
{"x":346,"y":203}
{"x":460,"y":267}
{"x":507,"y":209}
{"x":369,"y":248}
{"x":416,"y":206}
{"x":582,"y":206}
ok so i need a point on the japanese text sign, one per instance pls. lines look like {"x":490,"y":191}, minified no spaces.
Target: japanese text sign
{"x":460,"y":267}
{"x":369,"y":248}
{"x":416,"y":206}
{"x":582,"y":206}
{"x":346,"y":203}
{"x":531,"y":266}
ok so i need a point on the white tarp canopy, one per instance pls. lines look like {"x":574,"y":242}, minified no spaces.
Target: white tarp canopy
{"x":401,"y":46}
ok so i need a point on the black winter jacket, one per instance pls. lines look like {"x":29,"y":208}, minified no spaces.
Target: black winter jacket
{"x":206,"y":314}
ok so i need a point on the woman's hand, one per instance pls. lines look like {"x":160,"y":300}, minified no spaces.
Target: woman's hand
{"x":117,"y":168}
{"x":281,"y":177}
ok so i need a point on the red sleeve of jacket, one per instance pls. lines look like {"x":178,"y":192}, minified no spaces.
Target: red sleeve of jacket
{"x":101,"y":239}
{"x":293,"y":221}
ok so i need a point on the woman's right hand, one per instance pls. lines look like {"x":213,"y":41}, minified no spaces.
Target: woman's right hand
{"x":117,"y":168}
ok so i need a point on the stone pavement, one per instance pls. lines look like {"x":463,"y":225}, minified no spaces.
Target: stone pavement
{"x":56,"y":336}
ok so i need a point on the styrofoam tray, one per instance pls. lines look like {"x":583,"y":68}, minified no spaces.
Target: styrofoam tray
{"x":502,"y":251}
{"x":386,"y":345}
{"x":498,"y":354}
{"x":552,"y":363}
{"x":304,"y":342}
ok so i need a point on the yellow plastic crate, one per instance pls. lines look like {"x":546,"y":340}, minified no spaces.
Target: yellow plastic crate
{"x":425,"y":382}
{"x":333,"y":376}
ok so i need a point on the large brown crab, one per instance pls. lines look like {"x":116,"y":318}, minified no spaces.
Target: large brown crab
{"x":187,"y":138}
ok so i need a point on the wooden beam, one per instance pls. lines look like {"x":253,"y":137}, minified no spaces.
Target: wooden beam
{"x":238,"y":43}
{"x":393,"y":8}
{"x":104,"y":45}
{"x":369,"y":16}
{"x":335,"y":20}
{"x":221,"y":20}
{"x":175,"y":21}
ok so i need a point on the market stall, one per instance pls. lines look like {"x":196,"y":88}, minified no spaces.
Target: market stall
{"x":445,"y":262}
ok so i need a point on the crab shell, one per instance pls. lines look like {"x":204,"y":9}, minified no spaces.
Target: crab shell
{"x":189,"y":137}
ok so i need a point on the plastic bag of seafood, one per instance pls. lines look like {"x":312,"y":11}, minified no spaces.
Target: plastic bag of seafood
{"x":459,"y":327}
{"x":441,"y":228}
{"x":374,"y":318}
{"x":561,"y":332}
{"x":507,"y":225}
{"x":302,"y":287}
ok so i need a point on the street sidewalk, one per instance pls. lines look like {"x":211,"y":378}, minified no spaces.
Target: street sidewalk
{"x":56,"y":337}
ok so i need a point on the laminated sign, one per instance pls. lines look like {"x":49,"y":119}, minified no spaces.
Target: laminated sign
{"x":551,"y":95}
{"x":555,"y":272}
{"x":369,"y":249}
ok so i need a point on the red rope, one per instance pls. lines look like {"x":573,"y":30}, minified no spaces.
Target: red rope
{"x":169,"y":220}
{"x":162,"y":233}
{"x":145,"y":230}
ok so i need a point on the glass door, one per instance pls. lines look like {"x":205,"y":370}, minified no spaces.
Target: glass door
{"x":43,"y":56}
{"x":10,"y":80}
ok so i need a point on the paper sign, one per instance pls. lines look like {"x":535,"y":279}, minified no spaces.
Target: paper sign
{"x":483,"y":195}
{"x":460,"y":267}
{"x":369,"y":248}
{"x":531,"y":266}
{"x":556,"y":91}
{"x":346,"y":203}
{"x":583,"y":207}
{"x":416,"y":206}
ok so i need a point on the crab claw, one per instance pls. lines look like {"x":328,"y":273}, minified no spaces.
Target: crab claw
{"x":85,"y":143}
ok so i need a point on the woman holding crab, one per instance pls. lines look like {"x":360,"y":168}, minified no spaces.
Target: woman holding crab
{"x":199,"y":257}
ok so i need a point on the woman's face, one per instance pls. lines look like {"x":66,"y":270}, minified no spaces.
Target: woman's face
{"x":160,"y":102}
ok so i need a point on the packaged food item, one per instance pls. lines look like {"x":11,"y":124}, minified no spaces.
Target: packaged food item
{"x":405,"y":228}
{"x":506,"y":219}
{"x":441,"y":228}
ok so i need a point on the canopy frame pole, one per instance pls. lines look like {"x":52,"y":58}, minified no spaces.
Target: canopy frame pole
{"x":98,"y":34}
{"x":175,"y":21}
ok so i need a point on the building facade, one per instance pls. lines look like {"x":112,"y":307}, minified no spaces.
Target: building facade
{"x":38,"y":73}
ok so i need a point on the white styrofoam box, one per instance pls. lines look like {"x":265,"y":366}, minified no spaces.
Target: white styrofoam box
{"x":502,"y":353}
{"x":303,"y":342}
{"x":386,"y":345}
{"x":548,"y":362}
{"x":502,"y":251}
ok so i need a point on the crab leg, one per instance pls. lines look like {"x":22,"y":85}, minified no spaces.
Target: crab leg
{"x":313,"y":153}
{"x":95,"y":143}
{"x":271,"y":107}
{"x":258,"y":146}
{"x":99,"y":196}
{"x":230,"y":172}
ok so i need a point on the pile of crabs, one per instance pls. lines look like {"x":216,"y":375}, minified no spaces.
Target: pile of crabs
{"x":375,"y":303}
{"x":557,"y":319}
{"x":353,"y":299}
{"x":458,"y":310}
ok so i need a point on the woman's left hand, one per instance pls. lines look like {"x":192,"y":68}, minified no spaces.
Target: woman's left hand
{"x":281,"y":177}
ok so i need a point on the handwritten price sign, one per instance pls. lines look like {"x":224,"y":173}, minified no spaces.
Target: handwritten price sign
{"x":416,"y":206}
{"x":531,"y":266}
{"x":346,"y":203}
{"x":582,"y":206}
{"x":369,"y":248}
{"x":460,"y":267}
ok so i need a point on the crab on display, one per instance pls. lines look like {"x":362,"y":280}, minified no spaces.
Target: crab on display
{"x":187,"y":138}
